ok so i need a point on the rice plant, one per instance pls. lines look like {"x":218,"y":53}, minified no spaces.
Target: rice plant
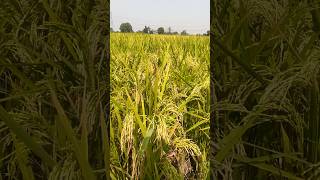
{"x":159,"y":106}
{"x":265,"y":116}
{"x":53,"y":89}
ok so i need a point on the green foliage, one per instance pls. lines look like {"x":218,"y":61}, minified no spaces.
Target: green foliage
{"x":146,"y":30}
{"x":53,"y":89}
{"x":160,"y":30}
{"x":126,"y":28}
{"x":265,"y":89}
{"x":184,"y":32}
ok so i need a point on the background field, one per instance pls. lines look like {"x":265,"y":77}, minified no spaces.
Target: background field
{"x":159,"y":106}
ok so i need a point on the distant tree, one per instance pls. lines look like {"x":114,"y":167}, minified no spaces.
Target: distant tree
{"x":126,"y":27}
{"x":160,"y":30}
{"x":169,"y":30}
{"x":184,"y":32}
{"x":208,"y":33}
{"x":151,"y":31}
{"x":175,"y":33}
{"x":111,"y":30}
{"x":146,"y":29}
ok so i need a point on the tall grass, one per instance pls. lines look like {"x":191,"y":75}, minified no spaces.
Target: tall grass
{"x":53,"y":89}
{"x":159,"y":106}
{"x":266,"y":89}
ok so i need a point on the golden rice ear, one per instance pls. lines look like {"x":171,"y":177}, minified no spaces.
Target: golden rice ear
{"x":162,"y":130}
{"x":126,"y":141}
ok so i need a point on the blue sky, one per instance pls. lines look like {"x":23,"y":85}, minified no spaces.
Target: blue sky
{"x":190,"y":15}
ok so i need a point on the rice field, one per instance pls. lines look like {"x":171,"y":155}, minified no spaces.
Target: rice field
{"x":159,"y":106}
{"x":266,"y":100}
{"x":53,"y":90}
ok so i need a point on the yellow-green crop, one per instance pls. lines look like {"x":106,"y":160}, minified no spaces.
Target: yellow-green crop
{"x":159,"y":106}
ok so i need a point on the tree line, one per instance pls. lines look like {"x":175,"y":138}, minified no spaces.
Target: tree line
{"x":127,"y":28}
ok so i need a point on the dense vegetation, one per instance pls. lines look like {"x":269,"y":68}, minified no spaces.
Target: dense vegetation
{"x":127,"y":28}
{"x":159,"y":106}
{"x":53,"y":89}
{"x":266,"y":101}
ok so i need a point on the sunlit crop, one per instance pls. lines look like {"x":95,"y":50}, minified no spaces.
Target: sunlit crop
{"x":159,"y":106}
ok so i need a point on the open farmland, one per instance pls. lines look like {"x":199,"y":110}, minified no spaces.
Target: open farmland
{"x":159,"y":106}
